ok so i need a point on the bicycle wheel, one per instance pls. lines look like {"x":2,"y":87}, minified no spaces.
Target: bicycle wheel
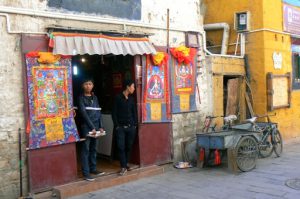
{"x":246,"y":153}
{"x":266,"y":147}
{"x":277,"y":143}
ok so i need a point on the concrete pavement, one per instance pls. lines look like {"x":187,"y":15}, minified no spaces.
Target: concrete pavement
{"x":266,"y":181}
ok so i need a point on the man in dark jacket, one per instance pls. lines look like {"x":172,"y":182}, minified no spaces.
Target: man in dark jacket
{"x":91,"y":122}
{"x":125,"y":121}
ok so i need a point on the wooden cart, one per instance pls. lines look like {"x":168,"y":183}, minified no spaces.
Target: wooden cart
{"x":238,"y":145}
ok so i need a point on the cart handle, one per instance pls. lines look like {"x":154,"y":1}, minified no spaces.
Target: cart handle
{"x":266,"y":115}
{"x":212,"y":117}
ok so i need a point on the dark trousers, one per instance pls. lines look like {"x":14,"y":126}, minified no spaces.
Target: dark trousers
{"x":88,"y":153}
{"x":88,"y":156}
{"x":125,"y":138}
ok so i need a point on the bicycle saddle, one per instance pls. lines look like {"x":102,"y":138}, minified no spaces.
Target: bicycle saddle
{"x":230,"y":118}
{"x":251,"y":120}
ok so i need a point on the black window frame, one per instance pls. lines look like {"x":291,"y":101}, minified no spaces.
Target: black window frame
{"x":296,"y":71}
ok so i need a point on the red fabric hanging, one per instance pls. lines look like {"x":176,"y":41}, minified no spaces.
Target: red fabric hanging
{"x":181,"y":57}
{"x":32,"y":54}
{"x":202,"y":154}
{"x":217,"y":157}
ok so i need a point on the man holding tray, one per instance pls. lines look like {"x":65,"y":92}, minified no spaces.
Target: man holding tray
{"x":91,"y":122}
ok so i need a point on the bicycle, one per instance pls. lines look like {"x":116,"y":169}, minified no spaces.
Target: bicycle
{"x":207,"y":124}
{"x":271,"y":139}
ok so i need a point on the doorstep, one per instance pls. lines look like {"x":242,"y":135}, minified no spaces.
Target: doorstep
{"x":82,"y":186}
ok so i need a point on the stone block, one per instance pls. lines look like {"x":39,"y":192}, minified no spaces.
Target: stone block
{"x":3,"y":164}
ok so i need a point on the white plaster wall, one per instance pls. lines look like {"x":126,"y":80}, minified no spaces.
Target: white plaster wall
{"x":183,"y":14}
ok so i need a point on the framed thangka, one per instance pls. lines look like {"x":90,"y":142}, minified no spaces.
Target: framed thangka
{"x":50,"y":91}
{"x":156,"y":106}
{"x":183,"y":79}
{"x":49,"y":82}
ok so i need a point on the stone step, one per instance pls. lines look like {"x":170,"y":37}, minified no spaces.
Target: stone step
{"x":82,"y":186}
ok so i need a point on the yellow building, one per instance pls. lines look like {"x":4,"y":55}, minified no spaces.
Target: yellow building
{"x":271,"y":45}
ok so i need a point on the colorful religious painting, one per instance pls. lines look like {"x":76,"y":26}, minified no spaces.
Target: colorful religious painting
{"x":155,"y":84}
{"x":156,"y":106}
{"x":183,"y":79}
{"x":50,"y":88}
{"x":49,"y":81}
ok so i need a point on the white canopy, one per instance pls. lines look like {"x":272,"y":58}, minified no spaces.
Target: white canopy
{"x":74,"y":44}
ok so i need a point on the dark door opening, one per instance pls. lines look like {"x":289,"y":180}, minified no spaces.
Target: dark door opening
{"x":108,"y":73}
{"x":231,"y":93}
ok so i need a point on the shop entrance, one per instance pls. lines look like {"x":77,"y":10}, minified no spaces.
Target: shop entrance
{"x":153,"y":142}
{"x":108,"y":73}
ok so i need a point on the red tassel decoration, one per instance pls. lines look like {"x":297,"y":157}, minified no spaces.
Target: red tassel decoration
{"x":217,"y":157}
{"x":51,"y":43}
{"x":28,"y":127}
{"x":201,"y":155}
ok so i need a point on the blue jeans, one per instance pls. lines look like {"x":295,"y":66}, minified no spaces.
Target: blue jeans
{"x":125,"y":138}
{"x":88,"y":154}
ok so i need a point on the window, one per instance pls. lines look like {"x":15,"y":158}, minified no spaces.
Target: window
{"x":242,"y":21}
{"x":279,"y":91}
{"x":127,"y":9}
{"x":296,"y":70}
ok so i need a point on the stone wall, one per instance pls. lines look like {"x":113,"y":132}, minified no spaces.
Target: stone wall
{"x":11,"y":112}
{"x":184,"y":16}
{"x":186,"y":125}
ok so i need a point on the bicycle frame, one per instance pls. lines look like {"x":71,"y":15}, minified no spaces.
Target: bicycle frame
{"x":270,"y":129}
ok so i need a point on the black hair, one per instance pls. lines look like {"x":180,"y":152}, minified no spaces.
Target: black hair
{"x":87,"y":79}
{"x":127,"y":82}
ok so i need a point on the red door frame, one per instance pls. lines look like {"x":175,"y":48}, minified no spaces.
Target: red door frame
{"x":48,"y":166}
{"x":154,"y":139}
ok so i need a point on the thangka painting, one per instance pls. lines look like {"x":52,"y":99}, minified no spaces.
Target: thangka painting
{"x":49,"y":81}
{"x":156,"y":89}
{"x":183,"y":79}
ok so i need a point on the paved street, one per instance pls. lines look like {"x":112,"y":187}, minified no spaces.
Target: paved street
{"x":266,"y":181}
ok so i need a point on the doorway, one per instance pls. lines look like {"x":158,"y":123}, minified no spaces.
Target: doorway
{"x":231,"y":93}
{"x":108,"y":73}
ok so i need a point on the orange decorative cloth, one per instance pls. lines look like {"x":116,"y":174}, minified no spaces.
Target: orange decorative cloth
{"x":159,"y":58}
{"x":183,"y":54}
{"x":48,"y":58}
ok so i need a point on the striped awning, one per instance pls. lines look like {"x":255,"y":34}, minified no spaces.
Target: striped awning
{"x":79,"y":44}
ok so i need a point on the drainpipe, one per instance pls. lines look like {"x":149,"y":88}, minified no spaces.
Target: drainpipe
{"x":217,"y":26}
{"x":8,"y":28}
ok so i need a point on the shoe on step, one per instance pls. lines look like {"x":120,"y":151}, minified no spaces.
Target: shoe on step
{"x":89,"y":178}
{"x":97,"y":173}
{"x":123,"y":171}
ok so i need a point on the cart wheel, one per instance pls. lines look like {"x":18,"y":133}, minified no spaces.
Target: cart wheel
{"x":246,"y":153}
{"x":277,"y":143}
